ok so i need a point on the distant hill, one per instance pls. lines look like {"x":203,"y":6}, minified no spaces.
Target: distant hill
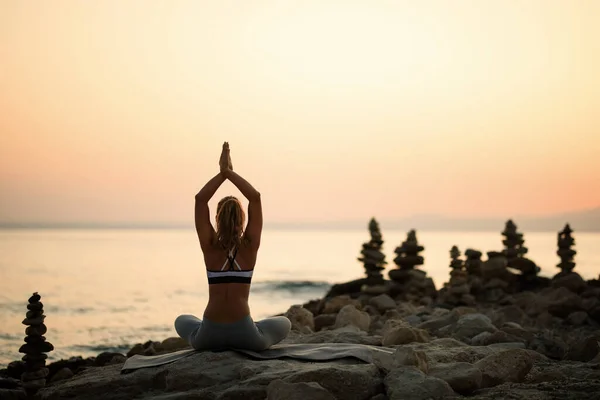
{"x":581,"y":221}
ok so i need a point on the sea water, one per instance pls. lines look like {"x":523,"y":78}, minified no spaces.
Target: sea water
{"x":105,"y":290}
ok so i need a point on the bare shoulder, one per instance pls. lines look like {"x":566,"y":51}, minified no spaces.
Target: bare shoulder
{"x":248,"y":254}
{"x":211,"y":251}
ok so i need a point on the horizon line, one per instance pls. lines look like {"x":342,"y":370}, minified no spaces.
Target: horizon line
{"x":426,"y":219}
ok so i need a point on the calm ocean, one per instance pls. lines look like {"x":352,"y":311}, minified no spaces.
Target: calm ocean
{"x":109,"y":289}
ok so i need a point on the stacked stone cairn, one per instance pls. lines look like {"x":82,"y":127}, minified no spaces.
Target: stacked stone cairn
{"x":457,"y":290}
{"x":513,"y":241}
{"x":567,"y":277}
{"x":565,"y":252}
{"x":34,"y":377}
{"x":497,"y":280}
{"x":409,"y":283}
{"x":373,"y":260}
{"x":456,"y":264}
{"x":473,"y":265}
{"x":473,"y":262}
{"x":514,"y":252}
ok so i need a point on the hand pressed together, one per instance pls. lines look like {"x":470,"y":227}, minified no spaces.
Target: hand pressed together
{"x":225,"y":160}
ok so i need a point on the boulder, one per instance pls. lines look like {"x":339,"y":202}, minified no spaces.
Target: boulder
{"x":107,"y":358}
{"x":13,"y":394}
{"x":413,"y":320}
{"x":383,"y":302}
{"x":447,"y":350}
{"x":349,"y":315}
{"x":435,"y":324}
{"x":565,"y":302}
{"x":62,"y":374}
{"x":549,"y":345}
{"x":9,"y":383}
{"x":487,"y":338}
{"x":302,"y":320}
{"x":334,"y":304}
{"x":584,"y":350}
{"x":512,"y":313}
{"x":136,"y":349}
{"x":410,"y":383}
{"x":219,"y":375}
{"x":342,"y":335}
{"x":408,"y":357}
{"x":361,"y":381}
{"x":281,"y":390}
{"x":577,"y":318}
{"x":174,"y":344}
{"x":505,"y":366}
{"x":323,"y":321}
{"x":571,"y":281}
{"x":463,"y":378}
{"x":471,"y":325}
{"x":403,"y":335}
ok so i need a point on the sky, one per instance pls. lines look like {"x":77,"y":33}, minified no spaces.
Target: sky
{"x":115,"y":111}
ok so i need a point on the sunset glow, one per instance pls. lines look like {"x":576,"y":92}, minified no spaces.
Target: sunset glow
{"x":335,"y":110}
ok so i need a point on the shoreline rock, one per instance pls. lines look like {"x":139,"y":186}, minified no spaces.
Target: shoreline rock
{"x":484,"y":351}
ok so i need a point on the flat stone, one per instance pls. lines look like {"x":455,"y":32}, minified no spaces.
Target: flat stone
{"x":34,"y":357}
{"x":35,"y":306}
{"x":35,"y":348}
{"x":34,"y":321}
{"x":35,"y":339}
{"x":34,"y":314}
{"x":36,"y":330}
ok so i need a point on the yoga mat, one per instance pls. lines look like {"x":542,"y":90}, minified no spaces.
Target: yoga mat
{"x":304,"y":351}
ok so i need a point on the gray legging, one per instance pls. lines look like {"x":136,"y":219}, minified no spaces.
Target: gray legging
{"x":241,"y":334}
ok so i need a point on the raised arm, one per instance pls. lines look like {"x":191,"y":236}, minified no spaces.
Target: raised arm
{"x":255,"y":219}
{"x":205,"y":230}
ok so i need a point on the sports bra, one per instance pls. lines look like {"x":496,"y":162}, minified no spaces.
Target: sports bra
{"x":230,"y":275}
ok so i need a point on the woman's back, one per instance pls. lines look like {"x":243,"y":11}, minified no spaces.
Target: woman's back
{"x":228,"y":302}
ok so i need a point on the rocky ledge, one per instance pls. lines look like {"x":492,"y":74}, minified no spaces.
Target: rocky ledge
{"x":516,"y":350}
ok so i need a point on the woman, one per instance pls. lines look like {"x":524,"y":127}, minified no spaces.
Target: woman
{"x":229,"y":255}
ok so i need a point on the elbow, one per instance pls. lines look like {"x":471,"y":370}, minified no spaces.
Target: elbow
{"x":255,"y":196}
{"x":200,"y":198}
